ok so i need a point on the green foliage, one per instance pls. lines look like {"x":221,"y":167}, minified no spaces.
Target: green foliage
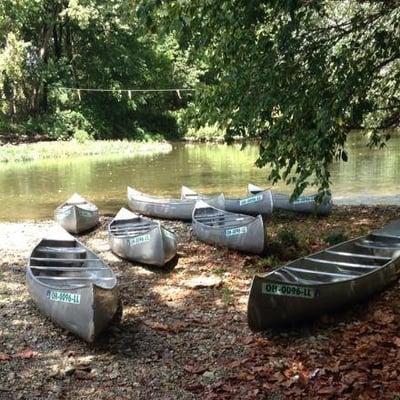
{"x":67,"y":124}
{"x":335,"y":238}
{"x":227,"y":295}
{"x":81,"y":146}
{"x":288,"y":238}
{"x":81,"y":136}
{"x":295,"y":75}
{"x":46,"y":46}
{"x":205,"y":133}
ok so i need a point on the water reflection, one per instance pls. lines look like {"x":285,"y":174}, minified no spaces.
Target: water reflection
{"x":32,"y":190}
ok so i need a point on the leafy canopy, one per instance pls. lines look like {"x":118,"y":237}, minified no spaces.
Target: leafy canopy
{"x":298,"y":75}
{"x":46,"y":45}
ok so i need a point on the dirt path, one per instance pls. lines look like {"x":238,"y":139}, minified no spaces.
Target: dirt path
{"x":179,"y":342}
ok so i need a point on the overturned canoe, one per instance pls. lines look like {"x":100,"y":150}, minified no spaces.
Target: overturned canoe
{"x":71,"y":285}
{"x":330,"y":279}
{"x":303,"y":204}
{"x":77,"y":214}
{"x":166,"y":208}
{"x":141,"y":239}
{"x":236,"y":231}
{"x":259,"y":203}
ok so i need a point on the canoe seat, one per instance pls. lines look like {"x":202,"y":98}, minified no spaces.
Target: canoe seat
{"x":372,"y":244}
{"x":286,"y":276}
{"x":64,"y":260}
{"x":321,"y":276}
{"x":73,"y":250}
{"x":342,"y":263}
{"x":66,"y":269}
{"x":130,"y":231}
{"x":125,"y":224}
{"x":356,"y":255}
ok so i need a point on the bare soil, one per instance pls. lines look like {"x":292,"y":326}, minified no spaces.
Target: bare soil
{"x":186,"y":337}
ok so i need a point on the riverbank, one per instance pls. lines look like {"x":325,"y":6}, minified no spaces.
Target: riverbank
{"x":179,"y":340}
{"x":66,"y":149}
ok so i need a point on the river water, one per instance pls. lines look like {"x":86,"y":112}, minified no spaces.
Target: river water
{"x":32,"y":190}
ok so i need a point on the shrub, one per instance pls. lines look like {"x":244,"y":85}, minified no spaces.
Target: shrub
{"x":335,"y":238}
{"x":81,"y":136}
{"x":68,"y":124}
{"x":288,"y":238}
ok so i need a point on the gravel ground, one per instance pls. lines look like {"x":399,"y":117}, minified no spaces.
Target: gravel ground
{"x":176,"y":340}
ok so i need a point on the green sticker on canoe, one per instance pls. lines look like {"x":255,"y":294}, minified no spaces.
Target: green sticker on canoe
{"x":304,"y":199}
{"x":236,"y":231}
{"x":252,"y":199}
{"x":85,"y":213}
{"x":63,"y":297}
{"x":278,"y":289}
{"x":139,"y":239}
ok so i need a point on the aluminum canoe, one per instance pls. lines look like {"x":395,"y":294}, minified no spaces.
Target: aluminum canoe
{"x":168,"y":208}
{"x":255,"y":204}
{"x":325,"y":281}
{"x":71,"y":285}
{"x":236,"y":231}
{"x":140,"y":239}
{"x":77,"y":214}
{"x":303,"y":204}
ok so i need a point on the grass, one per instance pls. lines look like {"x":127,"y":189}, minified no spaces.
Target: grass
{"x":227,"y":295}
{"x":205,"y":134}
{"x":63,"y":149}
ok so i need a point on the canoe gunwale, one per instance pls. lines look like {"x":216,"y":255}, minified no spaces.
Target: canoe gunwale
{"x":96,"y":258}
{"x":222,"y":227}
{"x":121,"y":246}
{"x":146,"y":198}
{"x":325,"y":284}
{"x":187,"y":194}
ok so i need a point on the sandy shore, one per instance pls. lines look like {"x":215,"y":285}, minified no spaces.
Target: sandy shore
{"x":176,"y":341}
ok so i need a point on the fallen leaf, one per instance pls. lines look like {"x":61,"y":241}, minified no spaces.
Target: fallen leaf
{"x":172,"y":328}
{"x":303,"y":378}
{"x":383,"y":318}
{"x":24,"y":354}
{"x":327,"y":390}
{"x":195,"y":369}
{"x":4,"y":357}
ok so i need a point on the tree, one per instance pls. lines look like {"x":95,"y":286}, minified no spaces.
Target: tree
{"x":298,"y":75}
{"x":46,"y":45}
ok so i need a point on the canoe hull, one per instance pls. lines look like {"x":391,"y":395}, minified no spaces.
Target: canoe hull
{"x":325,"y":281}
{"x":255,"y":204}
{"x":158,"y":249}
{"x":248,"y":238}
{"x":79,"y":319}
{"x":260,"y":203}
{"x":76,"y":219}
{"x":304,"y":204}
{"x":266,"y":310}
{"x":72,"y":286}
{"x":167,"y":208}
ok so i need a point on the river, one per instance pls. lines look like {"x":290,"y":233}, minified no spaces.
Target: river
{"x":32,"y":190}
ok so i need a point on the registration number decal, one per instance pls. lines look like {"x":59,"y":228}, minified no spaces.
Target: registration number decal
{"x":64,"y":297}
{"x":236,"y":231}
{"x":287,"y":290}
{"x":252,"y":199}
{"x":304,"y":199}
{"x":85,"y":213}
{"x":139,"y":239}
